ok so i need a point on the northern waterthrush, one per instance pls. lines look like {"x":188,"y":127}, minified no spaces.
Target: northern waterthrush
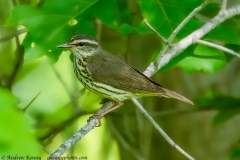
{"x":106,"y":75}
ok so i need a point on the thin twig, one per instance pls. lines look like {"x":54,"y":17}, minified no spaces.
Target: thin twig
{"x":34,"y":98}
{"x":218,"y":47}
{"x":154,"y":67}
{"x":16,"y":33}
{"x":61,"y":80}
{"x":186,"y":20}
{"x":73,"y":100}
{"x":99,"y":29}
{"x":159,"y":129}
{"x":159,"y":35}
{"x":123,"y":142}
{"x":55,"y":129}
{"x":162,"y":60}
{"x":224,"y":5}
{"x":18,"y":58}
{"x":75,"y":96}
{"x":18,"y":63}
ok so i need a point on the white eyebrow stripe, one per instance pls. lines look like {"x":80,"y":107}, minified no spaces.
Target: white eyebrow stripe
{"x":88,"y":41}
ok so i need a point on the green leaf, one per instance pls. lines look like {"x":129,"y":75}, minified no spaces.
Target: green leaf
{"x":225,"y":115}
{"x":162,"y":15}
{"x":48,"y":26}
{"x":204,"y":59}
{"x":107,"y":11}
{"x":236,"y":152}
{"x":227,"y":106}
{"x":125,"y":28}
{"x":32,"y":49}
{"x":142,"y":28}
{"x":15,"y":131}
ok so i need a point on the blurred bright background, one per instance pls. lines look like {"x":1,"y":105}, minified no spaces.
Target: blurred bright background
{"x":42,"y":103}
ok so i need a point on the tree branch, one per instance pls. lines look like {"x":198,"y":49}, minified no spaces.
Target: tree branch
{"x":158,"y":34}
{"x":34,"y":98}
{"x":55,"y":129}
{"x":162,"y":60}
{"x":74,"y":139}
{"x":186,"y":20}
{"x":159,"y":129}
{"x":18,"y":63}
{"x":218,"y":47}
{"x":16,"y":33}
{"x":18,"y":55}
{"x":71,"y":96}
{"x":224,"y":5}
{"x":81,"y":133}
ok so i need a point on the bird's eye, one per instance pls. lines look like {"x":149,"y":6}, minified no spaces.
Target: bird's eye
{"x":81,"y":44}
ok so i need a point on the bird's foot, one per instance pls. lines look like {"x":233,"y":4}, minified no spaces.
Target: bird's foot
{"x":98,"y":117}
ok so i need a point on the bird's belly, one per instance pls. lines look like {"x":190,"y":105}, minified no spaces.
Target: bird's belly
{"x":104,"y":90}
{"x":109,"y":91}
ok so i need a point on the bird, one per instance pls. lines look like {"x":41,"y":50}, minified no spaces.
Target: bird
{"x":105,"y":74}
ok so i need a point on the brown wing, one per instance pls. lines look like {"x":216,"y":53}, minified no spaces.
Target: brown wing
{"x":108,"y":69}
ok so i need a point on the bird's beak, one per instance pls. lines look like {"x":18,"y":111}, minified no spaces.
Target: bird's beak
{"x":64,"y":46}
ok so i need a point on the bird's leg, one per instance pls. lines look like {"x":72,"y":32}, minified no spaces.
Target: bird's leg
{"x":99,"y":116}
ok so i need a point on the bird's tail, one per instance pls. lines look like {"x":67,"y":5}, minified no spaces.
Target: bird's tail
{"x":172,"y":94}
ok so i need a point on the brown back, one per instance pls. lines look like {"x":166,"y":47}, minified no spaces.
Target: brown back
{"x":108,"y":69}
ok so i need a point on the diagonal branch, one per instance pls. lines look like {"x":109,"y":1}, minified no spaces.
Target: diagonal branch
{"x":174,"y":33}
{"x":34,"y":98}
{"x":218,"y":47}
{"x":159,"y":129}
{"x":14,"y":34}
{"x":186,"y":20}
{"x":162,"y":60}
{"x":74,"y":139}
{"x":81,"y":133}
{"x":158,"y":34}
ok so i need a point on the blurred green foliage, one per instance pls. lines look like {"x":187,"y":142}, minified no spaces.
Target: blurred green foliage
{"x":227,"y":106}
{"x":15,"y":129}
{"x":43,"y":104}
{"x":204,"y":59}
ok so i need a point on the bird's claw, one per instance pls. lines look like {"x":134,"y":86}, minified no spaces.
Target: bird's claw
{"x":98,"y":117}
